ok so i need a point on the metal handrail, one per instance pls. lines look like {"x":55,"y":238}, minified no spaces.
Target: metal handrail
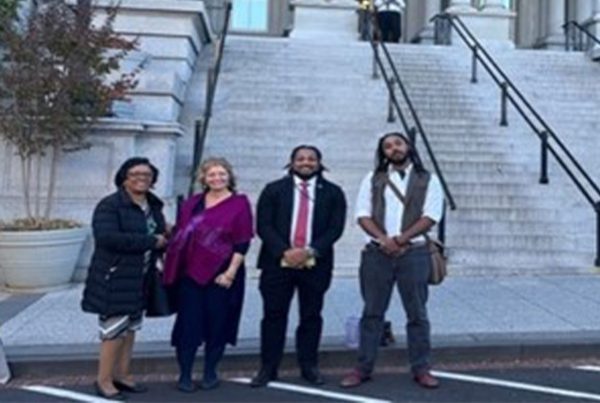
{"x":540,"y":127}
{"x":411,"y":131}
{"x":201,"y":126}
{"x":419,"y":127}
{"x":580,"y":29}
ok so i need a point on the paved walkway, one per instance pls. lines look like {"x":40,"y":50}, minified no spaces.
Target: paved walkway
{"x":463,"y":311}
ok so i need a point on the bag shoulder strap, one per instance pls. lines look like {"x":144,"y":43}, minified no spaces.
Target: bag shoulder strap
{"x":400,"y":196}
{"x":395,"y":189}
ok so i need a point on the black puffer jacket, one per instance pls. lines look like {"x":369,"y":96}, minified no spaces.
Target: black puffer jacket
{"x":114,"y":284}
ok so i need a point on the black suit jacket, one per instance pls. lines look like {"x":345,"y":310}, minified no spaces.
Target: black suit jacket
{"x":274,"y":221}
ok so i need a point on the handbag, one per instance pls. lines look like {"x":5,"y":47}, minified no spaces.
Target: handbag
{"x":439,"y":260}
{"x":159,"y":300}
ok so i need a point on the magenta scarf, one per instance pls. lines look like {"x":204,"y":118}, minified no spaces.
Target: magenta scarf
{"x":204,"y":242}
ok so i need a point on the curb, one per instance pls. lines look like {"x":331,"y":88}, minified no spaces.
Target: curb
{"x":159,"y":357}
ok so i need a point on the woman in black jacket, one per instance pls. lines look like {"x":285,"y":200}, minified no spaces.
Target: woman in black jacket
{"x":129,"y":232}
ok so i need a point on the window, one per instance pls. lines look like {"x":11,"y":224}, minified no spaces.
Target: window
{"x":479,"y":4}
{"x":250,"y":15}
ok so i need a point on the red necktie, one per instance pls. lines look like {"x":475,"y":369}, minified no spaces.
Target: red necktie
{"x":302,"y":217}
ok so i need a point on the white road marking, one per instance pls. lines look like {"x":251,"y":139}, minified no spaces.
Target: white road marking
{"x":516,"y":385}
{"x":316,"y":392}
{"x":76,"y":396}
{"x":592,"y":368}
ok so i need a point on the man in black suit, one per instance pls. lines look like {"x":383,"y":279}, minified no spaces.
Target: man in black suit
{"x":299,"y":218}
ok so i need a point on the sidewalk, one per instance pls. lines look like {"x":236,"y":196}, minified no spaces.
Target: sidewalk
{"x":471,"y":317}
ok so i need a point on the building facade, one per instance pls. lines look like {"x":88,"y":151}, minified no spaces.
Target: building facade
{"x":526,"y":23}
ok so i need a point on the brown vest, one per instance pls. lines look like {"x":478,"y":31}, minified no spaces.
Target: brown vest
{"x":415,"y":198}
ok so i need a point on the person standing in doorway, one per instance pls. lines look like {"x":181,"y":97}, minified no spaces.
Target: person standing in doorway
{"x":389,"y":19}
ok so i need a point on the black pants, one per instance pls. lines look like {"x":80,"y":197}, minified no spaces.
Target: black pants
{"x":201,"y":319}
{"x":389,"y":24}
{"x":277,"y":286}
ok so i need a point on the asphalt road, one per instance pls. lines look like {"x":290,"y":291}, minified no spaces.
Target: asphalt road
{"x":510,"y":383}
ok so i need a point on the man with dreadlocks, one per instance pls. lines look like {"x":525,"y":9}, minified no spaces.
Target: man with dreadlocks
{"x":299,"y":218}
{"x":396,"y":253}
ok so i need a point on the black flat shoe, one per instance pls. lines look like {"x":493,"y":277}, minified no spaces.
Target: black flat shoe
{"x":135,"y":388}
{"x":111,"y":396}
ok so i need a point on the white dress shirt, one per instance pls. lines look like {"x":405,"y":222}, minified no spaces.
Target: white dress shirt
{"x":389,"y":5}
{"x":312,"y":182}
{"x":394,"y":208}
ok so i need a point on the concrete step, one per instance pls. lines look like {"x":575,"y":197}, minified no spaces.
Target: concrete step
{"x":275,"y":94}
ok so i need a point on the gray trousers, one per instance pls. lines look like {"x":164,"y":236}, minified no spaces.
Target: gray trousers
{"x":378,"y":275}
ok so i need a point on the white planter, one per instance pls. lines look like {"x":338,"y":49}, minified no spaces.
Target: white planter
{"x":39,"y":260}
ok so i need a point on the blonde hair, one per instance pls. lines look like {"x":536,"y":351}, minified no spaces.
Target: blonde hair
{"x":214,"y":162}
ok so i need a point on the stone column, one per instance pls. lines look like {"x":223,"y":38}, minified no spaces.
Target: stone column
{"x":431,"y":8}
{"x":593,"y":25}
{"x":325,"y":20}
{"x":491,"y":25}
{"x":585,"y":10}
{"x":494,"y":4}
{"x":596,"y":10}
{"x":460,"y":6}
{"x":554,"y":37}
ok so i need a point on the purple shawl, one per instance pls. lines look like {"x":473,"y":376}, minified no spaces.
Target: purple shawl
{"x":204,"y":242}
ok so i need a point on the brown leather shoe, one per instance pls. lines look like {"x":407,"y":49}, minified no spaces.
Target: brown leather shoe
{"x":354,"y":378}
{"x":426,"y":380}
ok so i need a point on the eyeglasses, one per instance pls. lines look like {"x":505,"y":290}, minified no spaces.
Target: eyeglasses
{"x":140,"y":175}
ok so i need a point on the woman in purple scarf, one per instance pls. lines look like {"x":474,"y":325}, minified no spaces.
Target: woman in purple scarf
{"x":205,"y":265}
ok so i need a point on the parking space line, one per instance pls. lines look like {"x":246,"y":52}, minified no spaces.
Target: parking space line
{"x":516,"y":385}
{"x":316,"y":392}
{"x":64,"y":393}
{"x":593,"y":368}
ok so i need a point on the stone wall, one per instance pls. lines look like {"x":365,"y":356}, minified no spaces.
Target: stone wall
{"x":172,"y":36}
{"x":84,"y":177}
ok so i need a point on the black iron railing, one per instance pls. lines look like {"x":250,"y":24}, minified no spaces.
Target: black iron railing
{"x":415,"y":132}
{"x":578,"y":37}
{"x":550,"y":142}
{"x":201,"y":126}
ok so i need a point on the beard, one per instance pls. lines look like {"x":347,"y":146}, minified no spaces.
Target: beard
{"x":306,"y":176}
{"x":399,"y":160}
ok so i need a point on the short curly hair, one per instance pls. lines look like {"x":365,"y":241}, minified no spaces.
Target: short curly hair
{"x":121,"y":175}
{"x":212,"y":162}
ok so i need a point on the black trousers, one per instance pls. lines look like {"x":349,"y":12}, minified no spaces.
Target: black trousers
{"x":277,"y":287}
{"x":389,"y":24}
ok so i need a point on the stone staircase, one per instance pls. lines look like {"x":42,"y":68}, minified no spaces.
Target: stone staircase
{"x":277,"y":93}
{"x":507,"y":223}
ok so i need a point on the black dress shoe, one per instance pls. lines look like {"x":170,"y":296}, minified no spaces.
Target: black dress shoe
{"x":135,"y":388}
{"x":186,"y":386}
{"x":263,"y":377}
{"x":209,"y":384}
{"x":111,"y":396}
{"x":312,"y":376}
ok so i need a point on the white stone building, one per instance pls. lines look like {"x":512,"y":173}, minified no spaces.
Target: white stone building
{"x":177,"y":41}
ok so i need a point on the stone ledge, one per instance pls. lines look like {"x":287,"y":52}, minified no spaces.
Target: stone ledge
{"x":339,"y":4}
{"x":179,"y":6}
